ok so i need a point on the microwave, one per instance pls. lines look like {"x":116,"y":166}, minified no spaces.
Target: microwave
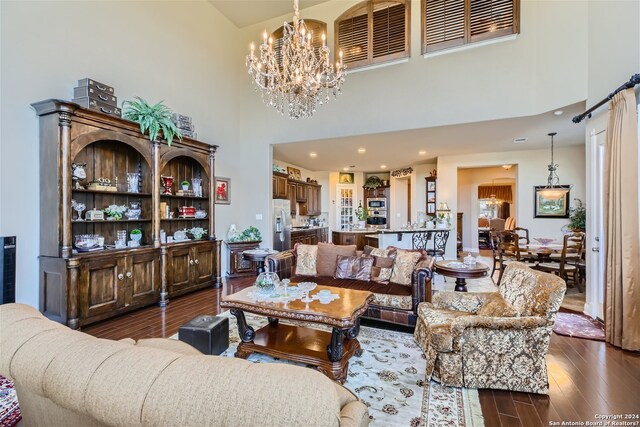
{"x":377,"y":203}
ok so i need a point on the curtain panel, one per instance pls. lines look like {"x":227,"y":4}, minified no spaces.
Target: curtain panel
{"x":502,"y":192}
{"x":622,"y":239}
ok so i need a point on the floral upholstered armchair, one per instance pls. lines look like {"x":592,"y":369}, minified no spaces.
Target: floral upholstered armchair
{"x":492,"y":340}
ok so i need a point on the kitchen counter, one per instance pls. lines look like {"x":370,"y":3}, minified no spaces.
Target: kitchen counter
{"x":357,"y":230}
{"x":412,"y":230}
{"x":403,"y":238}
{"x":294,"y":228}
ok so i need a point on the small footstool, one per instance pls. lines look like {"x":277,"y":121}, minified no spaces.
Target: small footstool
{"x":209,"y":334}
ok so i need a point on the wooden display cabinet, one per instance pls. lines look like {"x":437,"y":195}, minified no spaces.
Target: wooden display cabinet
{"x":432,"y":195}
{"x":78,"y":288}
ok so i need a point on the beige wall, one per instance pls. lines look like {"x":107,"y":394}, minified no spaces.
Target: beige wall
{"x":531,"y":171}
{"x":174,"y":51}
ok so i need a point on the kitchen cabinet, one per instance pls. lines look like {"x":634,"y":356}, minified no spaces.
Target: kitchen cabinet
{"x":348,"y":238}
{"x":379,"y":192}
{"x":309,"y":237}
{"x":238,"y":266}
{"x":189,"y":267}
{"x":301,"y":192}
{"x":293,"y":188}
{"x":313,"y":200}
{"x":116,"y":284}
{"x":280,"y":185}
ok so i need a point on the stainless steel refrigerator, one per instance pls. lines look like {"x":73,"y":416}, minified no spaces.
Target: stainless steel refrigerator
{"x":281,"y":224}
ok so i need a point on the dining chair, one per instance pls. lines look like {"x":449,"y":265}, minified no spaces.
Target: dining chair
{"x":493,"y":244}
{"x":508,"y":250}
{"x":565,"y":264}
{"x":523,"y":235}
{"x":497,"y":223}
{"x":483,"y":222}
{"x":510,"y":223}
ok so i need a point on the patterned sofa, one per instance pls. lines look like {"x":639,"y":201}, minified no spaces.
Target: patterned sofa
{"x":493,"y":340}
{"x":69,"y":378}
{"x":393,"y":303}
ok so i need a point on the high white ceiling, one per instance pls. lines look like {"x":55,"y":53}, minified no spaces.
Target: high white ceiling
{"x":400,"y":149}
{"x":248,"y":12}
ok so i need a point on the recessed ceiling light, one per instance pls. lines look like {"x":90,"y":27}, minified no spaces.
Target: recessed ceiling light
{"x":558,"y":112}
{"x":519,"y":140}
{"x":362,"y":150}
{"x":346,"y":168}
{"x":507,"y":167}
{"x":383,"y":166}
{"x":313,"y":154}
{"x":422,"y":153}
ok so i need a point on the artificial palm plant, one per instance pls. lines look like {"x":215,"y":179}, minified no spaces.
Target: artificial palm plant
{"x":152,"y":117}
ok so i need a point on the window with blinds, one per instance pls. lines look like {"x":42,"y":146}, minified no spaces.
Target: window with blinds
{"x":372,"y":32}
{"x":450,"y":23}
{"x":315,"y":27}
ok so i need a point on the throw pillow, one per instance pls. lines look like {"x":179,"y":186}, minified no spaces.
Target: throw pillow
{"x":354,"y":267}
{"x":423,"y":254}
{"x":403,"y":266}
{"x":328,"y":257}
{"x":496,"y":306}
{"x":306,"y":260}
{"x":383,"y":264}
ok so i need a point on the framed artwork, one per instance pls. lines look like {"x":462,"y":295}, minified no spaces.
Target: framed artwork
{"x":431,"y":208}
{"x":551,"y":204}
{"x":431,"y":186}
{"x":346,"y":178}
{"x":294,"y":173}
{"x":222,"y":191}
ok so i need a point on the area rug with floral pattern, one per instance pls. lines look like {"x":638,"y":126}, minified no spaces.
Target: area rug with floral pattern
{"x":10,"y":413}
{"x":389,"y":377}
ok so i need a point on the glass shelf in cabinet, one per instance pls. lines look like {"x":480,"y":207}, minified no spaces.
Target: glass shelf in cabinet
{"x":115,"y":193}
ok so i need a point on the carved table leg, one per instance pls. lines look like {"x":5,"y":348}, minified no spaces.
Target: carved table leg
{"x":273,"y":321}
{"x":352,"y":333}
{"x":334,"y":350}
{"x":246,"y":332}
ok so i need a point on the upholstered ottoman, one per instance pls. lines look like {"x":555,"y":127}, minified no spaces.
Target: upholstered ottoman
{"x":209,"y":334}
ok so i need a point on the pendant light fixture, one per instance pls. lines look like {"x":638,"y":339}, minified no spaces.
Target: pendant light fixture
{"x":553,"y":189}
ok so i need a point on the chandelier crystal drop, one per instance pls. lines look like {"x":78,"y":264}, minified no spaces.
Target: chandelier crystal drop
{"x":297,"y":78}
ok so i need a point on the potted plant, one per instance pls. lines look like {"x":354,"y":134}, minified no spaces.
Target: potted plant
{"x":114,"y":212}
{"x":362,"y":215}
{"x":185,"y":185}
{"x":153,"y":118}
{"x":372,"y":183}
{"x":136,"y":234}
{"x":577,"y":217}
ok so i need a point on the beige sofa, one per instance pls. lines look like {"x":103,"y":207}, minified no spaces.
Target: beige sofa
{"x":69,"y":378}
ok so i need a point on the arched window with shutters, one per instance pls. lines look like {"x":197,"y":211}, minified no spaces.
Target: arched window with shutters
{"x":315,"y":27}
{"x":373,"y":32}
{"x":451,"y":23}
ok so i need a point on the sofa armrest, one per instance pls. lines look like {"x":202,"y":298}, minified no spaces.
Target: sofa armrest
{"x":421,"y":282}
{"x":527,"y":322}
{"x":281,"y":263}
{"x":460,"y":301}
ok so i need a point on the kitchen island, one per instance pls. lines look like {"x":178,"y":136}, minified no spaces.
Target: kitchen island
{"x":351,"y":237}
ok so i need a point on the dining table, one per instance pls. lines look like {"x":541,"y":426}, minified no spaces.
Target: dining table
{"x":542,"y":252}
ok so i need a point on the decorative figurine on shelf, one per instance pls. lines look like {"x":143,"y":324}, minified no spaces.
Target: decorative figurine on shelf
{"x":133,"y":182}
{"x":185,"y":185}
{"x":136,"y":236}
{"x":167,"y":183}
{"x":78,"y":173}
{"x":196,"y":183}
{"x":134,"y":210}
{"x":78,"y":207}
{"x":197,"y":232}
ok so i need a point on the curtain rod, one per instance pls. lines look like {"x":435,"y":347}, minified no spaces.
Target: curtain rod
{"x":634,"y":80}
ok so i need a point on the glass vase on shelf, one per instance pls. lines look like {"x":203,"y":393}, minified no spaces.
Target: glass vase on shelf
{"x":133,"y":181}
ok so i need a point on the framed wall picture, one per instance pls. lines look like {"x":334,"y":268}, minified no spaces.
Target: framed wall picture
{"x":222,"y":191}
{"x":431,"y":186}
{"x":551,"y":204}
{"x":346,"y":178}
{"x":294,"y":173}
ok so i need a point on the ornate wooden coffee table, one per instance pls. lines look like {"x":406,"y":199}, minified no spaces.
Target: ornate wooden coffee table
{"x":328,"y":351}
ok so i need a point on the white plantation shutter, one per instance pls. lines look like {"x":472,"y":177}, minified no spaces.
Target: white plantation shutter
{"x":449,"y":23}
{"x":373,"y":31}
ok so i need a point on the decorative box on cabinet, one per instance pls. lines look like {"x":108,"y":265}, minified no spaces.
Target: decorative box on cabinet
{"x":238,"y":266}
{"x":78,"y":288}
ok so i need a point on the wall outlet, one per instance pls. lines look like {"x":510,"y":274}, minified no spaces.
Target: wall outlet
{"x":258,"y":217}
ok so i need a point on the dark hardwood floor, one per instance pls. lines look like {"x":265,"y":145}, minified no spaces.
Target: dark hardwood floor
{"x":586,"y":377}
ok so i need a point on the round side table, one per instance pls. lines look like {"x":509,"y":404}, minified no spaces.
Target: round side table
{"x":461,"y":272}
{"x":258,"y":255}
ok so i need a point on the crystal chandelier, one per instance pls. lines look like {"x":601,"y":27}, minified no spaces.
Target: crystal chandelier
{"x":297,"y":78}
{"x":553,"y":189}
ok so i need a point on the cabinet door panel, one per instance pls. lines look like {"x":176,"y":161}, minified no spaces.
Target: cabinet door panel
{"x":180,"y":268}
{"x":145,"y":280}
{"x":204,"y":258}
{"x":101,"y":290}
